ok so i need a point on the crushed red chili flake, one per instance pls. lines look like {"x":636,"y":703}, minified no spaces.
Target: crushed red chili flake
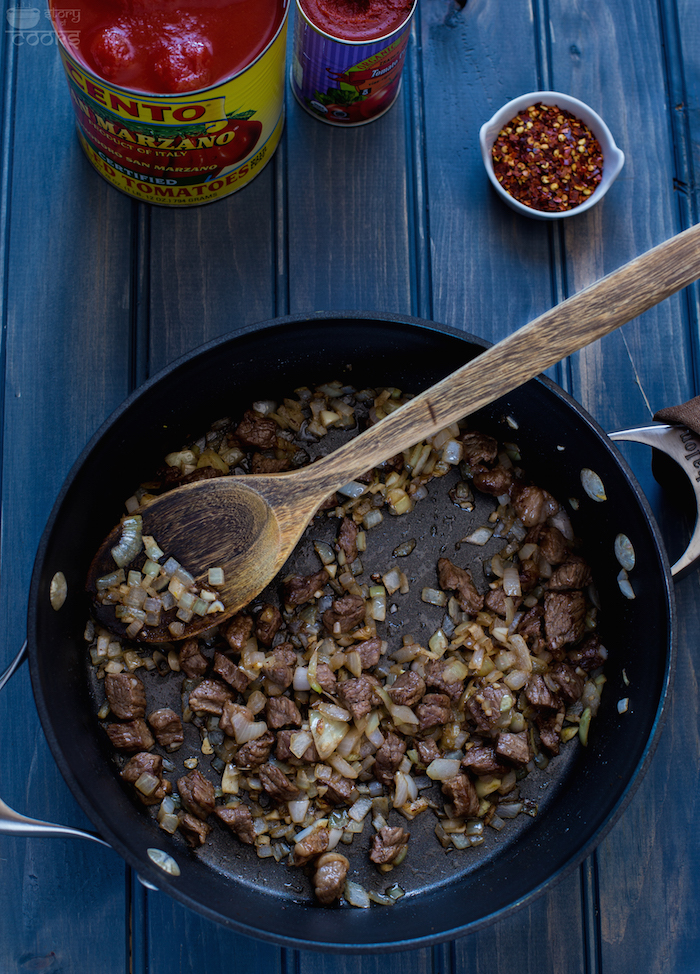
{"x":547,"y":159}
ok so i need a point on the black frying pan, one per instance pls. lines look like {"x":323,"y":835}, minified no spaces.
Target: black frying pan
{"x":447,"y":895}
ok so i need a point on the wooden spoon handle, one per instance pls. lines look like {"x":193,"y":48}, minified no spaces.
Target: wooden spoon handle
{"x":588,"y":315}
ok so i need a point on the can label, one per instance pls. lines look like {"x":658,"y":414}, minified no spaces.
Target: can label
{"x":182,"y":150}
{"x":346,"y":82}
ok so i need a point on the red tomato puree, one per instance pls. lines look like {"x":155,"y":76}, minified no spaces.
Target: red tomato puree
{"x":163,"y":46}
{"x":357,"y":20}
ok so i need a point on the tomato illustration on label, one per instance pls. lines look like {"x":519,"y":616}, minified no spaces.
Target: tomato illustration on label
{"x":231,"y":143}
{"x":364,"y":90}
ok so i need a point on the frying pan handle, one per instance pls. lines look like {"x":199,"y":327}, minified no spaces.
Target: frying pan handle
{"x":11,"y":822}
{"x":683,"y":446}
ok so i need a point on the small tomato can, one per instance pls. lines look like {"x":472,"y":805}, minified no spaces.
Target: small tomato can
{"x":181,"y":148}
{"x":345,"y":81}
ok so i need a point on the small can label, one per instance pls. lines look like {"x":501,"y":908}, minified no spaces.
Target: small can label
{"x":346,"y":82}
{"x":182,"y":150}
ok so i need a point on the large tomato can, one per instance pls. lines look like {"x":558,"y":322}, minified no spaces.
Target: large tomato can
{"x":346,"y":82}
{"x":181,"y":149}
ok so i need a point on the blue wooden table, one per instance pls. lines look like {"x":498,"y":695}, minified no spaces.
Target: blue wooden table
{"x":98,"y":292}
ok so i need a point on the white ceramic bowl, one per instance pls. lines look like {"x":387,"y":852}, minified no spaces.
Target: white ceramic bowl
{"x":613,"y":158}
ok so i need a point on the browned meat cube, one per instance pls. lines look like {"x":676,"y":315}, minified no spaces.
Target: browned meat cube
{"x":427,"y":751}
{"x":460,"y":581}
{"x":268,"y":624}
{"x":341,"y":791}
{"x":261,"y":464}
{"x":530,"y":626}
{"x":549,"y":726}
{"x":570,"y":682}
{"x":230,"y":711}
{"x":564,"y":619}
{"x":495,"y":481}
{"x":193,"y":829}
{"x":133,"y":735}
{"x":240,"y":821}
{"x":254,"y":753}
{"x":434,"y":710}
{"x":539,"y":695}
{"x":325,"y":677}
{"x":356,"y":694}
{"x":280,"y":665}
{"x":388,"y":758}
{"x":329,"y":877}
{"x":192,"y":661}
{"x":370,"y":651}
{"x":388,"y":843}
{"x":257,"y":431}
{"x":551,"y":542}
{"x":433,"y":676}
{"x":495,"y":601}
{"x":574,"y":573}
{"x":209,"y":697}
{"x":461,"y":792}
{"x":300,"y":589}
{"x":528,"y":576}
{"x":513,"y":747}
{"x":197,"y":794}
{"x":479,"y":448}
{"x":238,"y":631}
{"x":310,"y":846}
{"x":407,"y":689}
{"x":533,"y":505}
{"x":126,"y":695}
{"x":276,"y":783}
{"x":481,"y":759}
{"x":484,"y":707}
{"x":345,"y":614}
{"x":146,"y":763}
{"x":347,"y":539}
{"x":589,"y":654}
{"x":167,"y":727}
{"x":282,"y":712}
{"x":232,"y":674}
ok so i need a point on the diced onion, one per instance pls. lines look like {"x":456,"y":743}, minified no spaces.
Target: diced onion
{"x":511,"y":581}
{"x":356,"y":895}
{"x":442,"y":768}
{"x":327,"y":732}
{"x":130,"y":542}
{"x":480,"y":536}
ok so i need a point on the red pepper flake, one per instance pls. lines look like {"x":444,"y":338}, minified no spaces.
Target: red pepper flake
{"x":547,"y":159}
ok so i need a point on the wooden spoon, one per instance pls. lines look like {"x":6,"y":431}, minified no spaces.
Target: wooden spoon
{"x":249,"y":525}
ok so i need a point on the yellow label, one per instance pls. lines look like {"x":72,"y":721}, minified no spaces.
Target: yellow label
{"x":182,"y":149}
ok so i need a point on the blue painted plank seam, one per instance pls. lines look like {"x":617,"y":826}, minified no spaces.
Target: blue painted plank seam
{"x":417,"y":178}
{"x":681,"y":141}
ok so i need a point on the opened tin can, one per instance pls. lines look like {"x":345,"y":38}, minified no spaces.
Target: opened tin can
{"x":341,"y":80}
{"x":141,"y":126}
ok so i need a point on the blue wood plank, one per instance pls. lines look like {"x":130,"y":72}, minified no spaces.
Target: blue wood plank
{"x":194,"y":941}
{"x":65,"y":335}
{"x":99,"y":292}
